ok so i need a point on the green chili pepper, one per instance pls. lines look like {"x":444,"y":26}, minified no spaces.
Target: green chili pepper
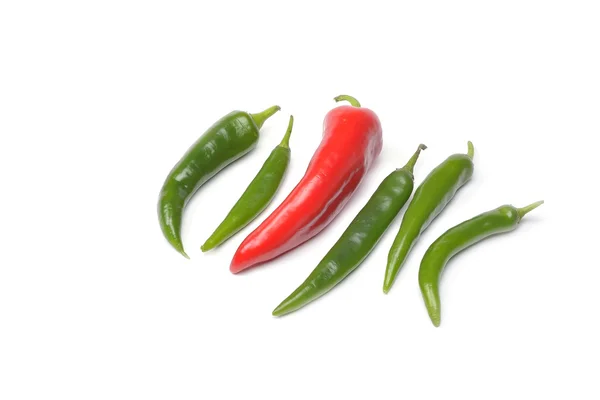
{"x":228,"y":139}
{"x":358,"y":240}
{"x":258,"y":194}
{"x":503,"y":219}
{"x":430,"y":199}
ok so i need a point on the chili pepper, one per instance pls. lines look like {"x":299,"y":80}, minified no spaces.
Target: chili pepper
{"x":258,"y":194}
{"x":430,"y":199}
{"x":358,"y":240}
{"x":228,"y":139}
{"x":503,"y":219}
{"x":351,"y":141}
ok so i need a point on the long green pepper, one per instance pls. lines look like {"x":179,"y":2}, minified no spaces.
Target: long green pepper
{"x":502,"y":219}
{"x":430,"y":199}
{"x":257,"y":195}
{"x":358,"y":240}
{"x":227,"y":140}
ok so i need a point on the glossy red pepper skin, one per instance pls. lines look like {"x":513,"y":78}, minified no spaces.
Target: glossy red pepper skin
{"x":351,"y":141}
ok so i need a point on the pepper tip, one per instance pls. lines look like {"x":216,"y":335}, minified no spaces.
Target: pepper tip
{"x":208,"y":245}
{"x":183,"y":253}
{"x":234,"y":268}
{"x":281,"y":310}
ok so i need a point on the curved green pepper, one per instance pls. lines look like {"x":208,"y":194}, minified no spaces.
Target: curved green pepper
{"x":257,"y":195}
{"x":431,"y":197}
{"x":503,"y":219}
{"x":358,"y":240}
{"x":228,"y":139}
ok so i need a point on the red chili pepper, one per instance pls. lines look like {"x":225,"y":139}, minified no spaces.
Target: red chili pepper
{"x":351,"y":142}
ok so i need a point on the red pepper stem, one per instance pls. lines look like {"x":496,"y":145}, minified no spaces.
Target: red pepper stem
{"x":285,"y":142}
{"x":353,"y":102}
{"x":526,"y":209}
{"x":410,"y":165}
{"x":471,"y":150}
{"x":261,"y":117}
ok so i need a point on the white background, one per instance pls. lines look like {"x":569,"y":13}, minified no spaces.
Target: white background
{"x":98,"y":100}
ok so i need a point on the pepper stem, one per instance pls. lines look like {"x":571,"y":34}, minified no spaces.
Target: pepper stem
{"x":526,"y":209}
{"x":353,"y":102}
{"x":285,"y":142}
{"x":470,"y":150}
{"x":410,"y":165}
{"x":261,"y":117}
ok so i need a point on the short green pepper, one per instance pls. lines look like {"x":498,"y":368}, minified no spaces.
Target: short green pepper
{"x":257,"y":195}
{"x":502,"y":219}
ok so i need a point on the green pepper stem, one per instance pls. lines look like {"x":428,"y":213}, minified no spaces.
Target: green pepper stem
{"x":470,"y":150}
{"x":526,"y":209}
{"x":410,"y":165}
{"x":261,"y":117}
{"x":353,"y":102}
{"x":285,"y":142}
